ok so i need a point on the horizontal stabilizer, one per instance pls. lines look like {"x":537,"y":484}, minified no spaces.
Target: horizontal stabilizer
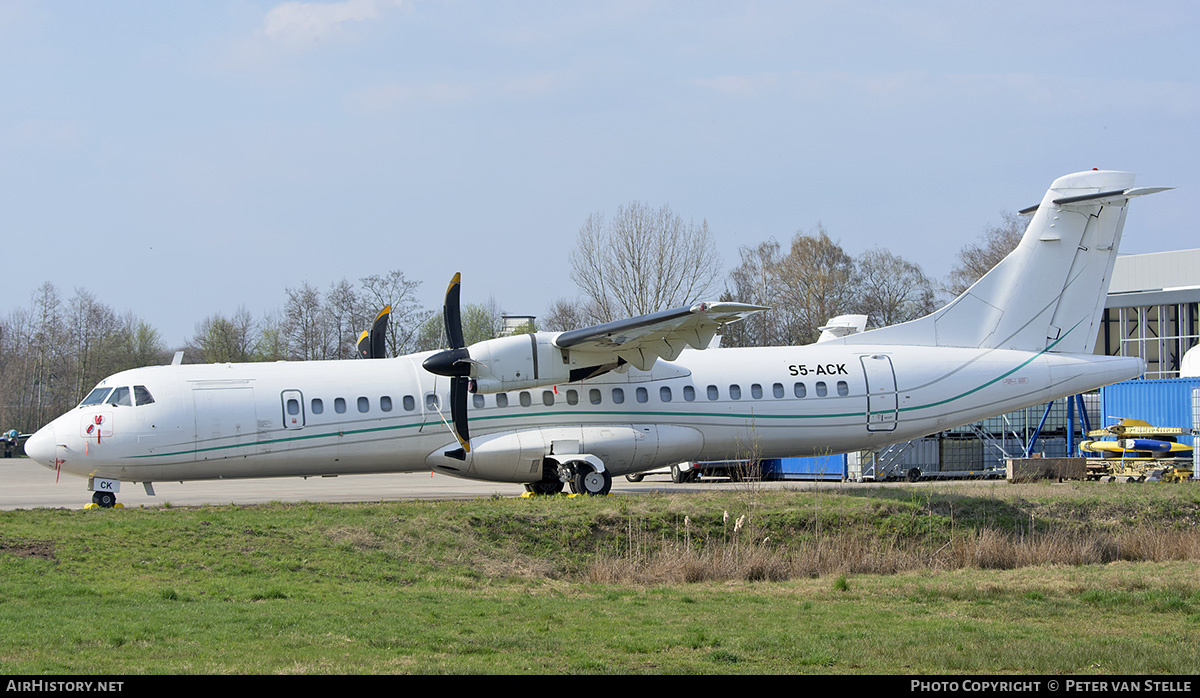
{"x":1104,"y":197}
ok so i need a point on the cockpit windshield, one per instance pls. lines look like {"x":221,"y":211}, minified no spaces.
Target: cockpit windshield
{"x":117,"y":397}
{"x":95,"y":397}
{"x":120,"y":396}
{"x":142,"y":395}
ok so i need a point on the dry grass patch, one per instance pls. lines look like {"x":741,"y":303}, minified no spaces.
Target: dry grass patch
{"x":707,"y":560}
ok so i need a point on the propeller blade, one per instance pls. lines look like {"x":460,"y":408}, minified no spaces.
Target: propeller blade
{"x":370,"y":343}
{"x":452,"y":316}
{"x":454,"y":363}
{"x":458,"y":412}
{"x":379,"y":333}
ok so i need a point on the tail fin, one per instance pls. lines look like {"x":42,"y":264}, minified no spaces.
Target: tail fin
{"x":1049,"y":292}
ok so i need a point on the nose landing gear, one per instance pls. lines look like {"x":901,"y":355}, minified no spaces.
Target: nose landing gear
{"x":104,"y":493}
{"x":104,"y":500}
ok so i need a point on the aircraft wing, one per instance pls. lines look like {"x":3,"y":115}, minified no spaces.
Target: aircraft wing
{"x":643,"y":340}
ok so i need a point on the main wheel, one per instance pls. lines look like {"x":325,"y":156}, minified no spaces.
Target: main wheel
{"x":914,"y":474}
{"x":104,"y":499}
{"x":593,"y":482}
{"x":677,"y":475}
{"x":634,"y":477}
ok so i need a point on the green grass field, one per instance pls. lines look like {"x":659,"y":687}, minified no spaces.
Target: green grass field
{"x":1078,"y":579}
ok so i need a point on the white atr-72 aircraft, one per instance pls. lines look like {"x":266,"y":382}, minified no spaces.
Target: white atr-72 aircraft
{"x":578,"y":407}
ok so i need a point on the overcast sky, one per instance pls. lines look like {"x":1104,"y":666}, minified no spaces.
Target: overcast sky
{"x":179,"y":159}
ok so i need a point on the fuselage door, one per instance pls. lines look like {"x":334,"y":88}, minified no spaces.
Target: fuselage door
{"x":293,"y":409}
{"x":226,"y":422}
{"x":881,"y":392}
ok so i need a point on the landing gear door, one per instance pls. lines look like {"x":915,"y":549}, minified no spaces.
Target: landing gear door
{"x":293,"y":409}
{"x":881,"y":392}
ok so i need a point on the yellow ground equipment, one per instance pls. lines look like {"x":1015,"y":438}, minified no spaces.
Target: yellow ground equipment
{"x":1133,"y":451}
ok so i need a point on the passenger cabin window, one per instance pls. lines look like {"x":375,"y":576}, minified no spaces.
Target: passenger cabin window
{"x":618,"y":395}
{"x":642,"y":395}
{"x":317,"y":406}
{"x":364,"y":404}
{"x":594,"y":396}
{"x":477,"y":400}
{"x":843,"y":389}
{"x":385,"y":403}
{"x":735,"y":392}
{"x":119,"y":397}
{"x":432,"y":403}
{"x":756,"y":391}
{"x":293,"y":406}
{"x":339,"y":405}
{"x":572,"y":397}
{"x":548,"y":398}
{"x":410,"y":403}
{"x":664,"y":394}
{"x":822,"y":391}
{"x":141,"y":395}
{"x":777,"y":390}
{"x":689,"y":393}
{"x":95,"y":397}
{"x":713,"y":394}
{"x":501,"y":399}
{"x":800,"y":390}
{"x":526,"y":400}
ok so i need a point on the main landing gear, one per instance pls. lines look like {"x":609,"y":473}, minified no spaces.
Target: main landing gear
{"x":590,"y":481}
{"x":581,"y":476}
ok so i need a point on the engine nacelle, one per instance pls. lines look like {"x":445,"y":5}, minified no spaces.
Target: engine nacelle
{"x":518,"y":362}
{"x":517,"y":456}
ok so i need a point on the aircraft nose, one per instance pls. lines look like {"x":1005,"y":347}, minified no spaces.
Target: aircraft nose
{"x":40,"y":447}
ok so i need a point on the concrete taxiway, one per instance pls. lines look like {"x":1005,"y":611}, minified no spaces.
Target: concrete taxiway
{"x":28,"y":486}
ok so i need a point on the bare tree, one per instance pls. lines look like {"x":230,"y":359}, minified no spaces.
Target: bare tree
{"x":304,"y":325}
{"x":407,"y":317}
{"x":567,"y":314}
{"x":431,"y":335}
{"x":891,"y":289}
{"x":91,"y":323}
{"x":141,"y":344}
{"x":345,"y":316}
{"x":643,"y":260}
{"x":272,"y":341}
{"x":480,"y":321}
{"x":756,"y":280}
{"x":816,"y":284}
{"x":49,"y":365}
{"x":219,"y":339}
{"x":978,"y":258}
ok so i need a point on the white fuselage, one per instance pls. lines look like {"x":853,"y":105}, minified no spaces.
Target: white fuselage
{"x":388,"y":415}
{"x":1021,"y":335}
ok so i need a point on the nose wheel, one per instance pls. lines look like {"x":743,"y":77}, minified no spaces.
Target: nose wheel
{"x":104,"y":500}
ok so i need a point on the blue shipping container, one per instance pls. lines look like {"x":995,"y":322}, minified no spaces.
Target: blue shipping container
{"x":1162,"y":403}
{"x":808,"y":468}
